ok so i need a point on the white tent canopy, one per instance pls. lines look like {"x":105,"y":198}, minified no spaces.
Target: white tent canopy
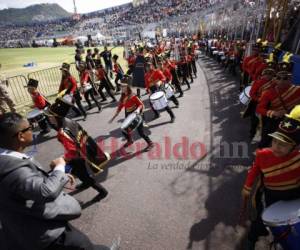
{"x":81,"y":38}
{"x":98,"y":36}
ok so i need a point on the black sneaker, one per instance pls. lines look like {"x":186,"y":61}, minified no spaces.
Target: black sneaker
{"x":103,"y":100}
{"x":172,"y":119}
{"x":100,"y":108}
{"x":127,"y":144}
{"x":156,"y":116}
{"x":150,"y":146}
{"x":100,"y":196}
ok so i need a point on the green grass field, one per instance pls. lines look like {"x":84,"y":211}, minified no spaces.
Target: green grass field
{"x":12,"y":60}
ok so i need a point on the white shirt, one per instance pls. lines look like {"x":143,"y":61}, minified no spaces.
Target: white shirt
{"x":7,"y":152}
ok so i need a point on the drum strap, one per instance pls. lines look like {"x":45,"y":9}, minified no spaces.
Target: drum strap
{"x":98,"y":168}
{"x":281,"y":100}
{"x":281,"y":237}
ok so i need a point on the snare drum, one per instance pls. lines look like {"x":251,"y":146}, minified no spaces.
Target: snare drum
{"x":68,"y":99}
{"x":87,"y":87}
{"x":131,"y":122}
{"x":167,"y":88}
{"x":159,"y":100}
{"x":245,"y":96}
{"x":282,"y":218}
{"x":35,"y":116}
{"x":215,"y":52}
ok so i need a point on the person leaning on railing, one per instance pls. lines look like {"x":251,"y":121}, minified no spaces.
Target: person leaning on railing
{"x":4,"y":95}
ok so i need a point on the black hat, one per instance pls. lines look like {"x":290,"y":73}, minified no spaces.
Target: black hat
{"x":65,"y":67}
{"x":269,"y":71}
{"x":32,"y":83}
{"x":82,"y":65}
{"x":115,"y":57}
{"x":59,"y":108}
{"x":289,"y":129}
{"x":286,"y":65}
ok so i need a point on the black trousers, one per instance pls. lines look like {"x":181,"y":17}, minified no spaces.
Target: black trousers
{"x":190,"y":71}
{"x":130,"y":70}
{"x":254,"y":121}
{"x":78,"y":103}
{"x":174,"y":100}
{"x":104,"y":84}
{"x":185,"y":74}
{"x":244,"y":80}
{"x":72,"y":239}
{"x":194,"y":67}
{"x":90,"y":93}
{"x":80,"y":171}
{"x":175,"y":81}
{"x":43,"y":124}
{"x":168,"y":109}
{"x":269,"y":125}
{"x":140,"y":130}
{"x":118,"y":77}
{"x":170,"y":112}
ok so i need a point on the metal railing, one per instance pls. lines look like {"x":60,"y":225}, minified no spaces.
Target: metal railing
{"x":18,"y":92}
{"x":49,"y":80}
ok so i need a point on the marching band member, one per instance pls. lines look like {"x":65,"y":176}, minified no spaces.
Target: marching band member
{"x":131,"y":62}
{"x":40,"y":102}
{"x":278,"y":170}
{"x":183,"y":67}
{"x":104,"y":83}
{"x":171,"y":66}
{"x":247,"y":61}
{"x":78,"y":58}
{"x":277,"y":101}
{"x":191,"y":53}
{"x":153,"y":79}
{"x":168,"y":77}
{"x":81,"y":151}
{"x":86,"y":86}
{"x":131,"y":103}
{"x":68,"y":86}
{"x":262,"y":84}
{"x":118,"y":70}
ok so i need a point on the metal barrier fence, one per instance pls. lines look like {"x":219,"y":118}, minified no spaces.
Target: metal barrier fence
{"x":49,"y":80}
{"x":17,"y":91}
